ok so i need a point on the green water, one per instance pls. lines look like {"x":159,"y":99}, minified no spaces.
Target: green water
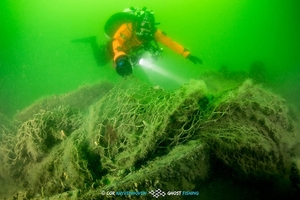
{"x":37,"y":58}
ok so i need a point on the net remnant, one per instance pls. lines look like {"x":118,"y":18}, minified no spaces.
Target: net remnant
{"x":139,"y":137}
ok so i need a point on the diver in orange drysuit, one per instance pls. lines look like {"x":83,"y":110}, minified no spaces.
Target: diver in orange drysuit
{"x":135,"y":35}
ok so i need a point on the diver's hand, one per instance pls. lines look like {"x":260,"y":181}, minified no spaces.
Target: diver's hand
{"x":194,"y":59}
{"x":123,"y":66}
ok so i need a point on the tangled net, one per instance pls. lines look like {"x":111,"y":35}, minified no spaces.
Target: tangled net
{"x":138,"y":137}
{"x":136,"y":121}
{"x":246,"y":130}
{"x":34,"y":144}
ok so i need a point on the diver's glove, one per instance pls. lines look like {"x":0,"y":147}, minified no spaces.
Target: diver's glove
{"x":194,"y":59}
{"x":123,"y":66}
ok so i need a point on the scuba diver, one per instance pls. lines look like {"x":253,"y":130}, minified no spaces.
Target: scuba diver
{"x":133,"y":33}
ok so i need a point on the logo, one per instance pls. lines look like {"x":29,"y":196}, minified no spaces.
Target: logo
{"x":157,"y":193}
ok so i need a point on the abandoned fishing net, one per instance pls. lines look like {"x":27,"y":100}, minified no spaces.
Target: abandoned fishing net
{"x":137,"y":137}
{"x":247,"y":128}
{"x":135,"y":122}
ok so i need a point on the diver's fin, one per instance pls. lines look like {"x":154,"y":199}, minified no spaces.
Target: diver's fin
{"x":85,"y":39}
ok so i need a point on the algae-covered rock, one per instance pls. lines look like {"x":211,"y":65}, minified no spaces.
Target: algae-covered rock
{"x":134,"y":137}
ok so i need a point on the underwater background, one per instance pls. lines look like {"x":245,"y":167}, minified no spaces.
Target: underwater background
{"x":235,"y":38}
{"x":37,"y":58}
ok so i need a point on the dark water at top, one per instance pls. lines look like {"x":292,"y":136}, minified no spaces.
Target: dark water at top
{"x":37,"y":58}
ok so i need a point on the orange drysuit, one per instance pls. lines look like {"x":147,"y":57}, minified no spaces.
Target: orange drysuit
{"x":124,"y":40}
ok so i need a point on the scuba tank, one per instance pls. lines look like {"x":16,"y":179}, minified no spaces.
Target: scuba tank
{"x":129,"y":15}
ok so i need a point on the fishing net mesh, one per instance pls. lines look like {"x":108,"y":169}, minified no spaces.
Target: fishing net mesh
{"x":135,"y":121}
{"x":246,"y":129}
{"x":140,"y":137}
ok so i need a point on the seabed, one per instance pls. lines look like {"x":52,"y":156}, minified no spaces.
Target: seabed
{"x":134,"y":137}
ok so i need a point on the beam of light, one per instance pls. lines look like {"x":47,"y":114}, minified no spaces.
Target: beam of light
{"x":147,"y":64}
